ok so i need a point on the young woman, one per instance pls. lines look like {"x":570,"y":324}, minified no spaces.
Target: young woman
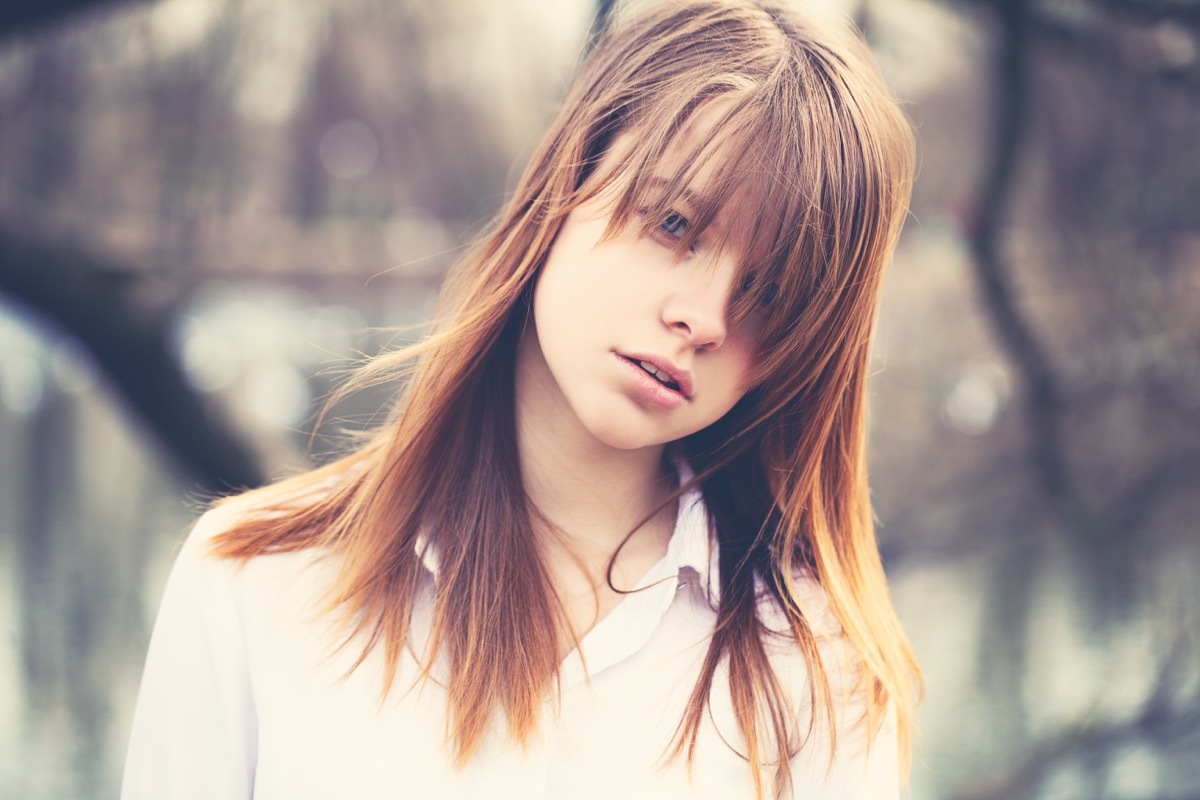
{"x":616,"y":539}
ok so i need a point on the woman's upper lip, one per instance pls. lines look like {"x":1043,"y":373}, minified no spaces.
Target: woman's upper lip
{"x":681,"y":376}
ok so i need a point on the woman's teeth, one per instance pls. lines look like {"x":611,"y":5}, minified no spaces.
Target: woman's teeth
{"x":662,"y":377}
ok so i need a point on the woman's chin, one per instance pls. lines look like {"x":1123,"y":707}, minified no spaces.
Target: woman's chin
{"x":623,"y":436}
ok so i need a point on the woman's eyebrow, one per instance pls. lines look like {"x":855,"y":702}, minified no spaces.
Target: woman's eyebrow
{"x":692,"y":199}
{"x":725,"y":220}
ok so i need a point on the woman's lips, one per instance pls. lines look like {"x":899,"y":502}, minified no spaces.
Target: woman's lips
{"x":650,"y":387}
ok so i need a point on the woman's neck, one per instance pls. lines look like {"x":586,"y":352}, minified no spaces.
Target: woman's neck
{"x":588,"y":495}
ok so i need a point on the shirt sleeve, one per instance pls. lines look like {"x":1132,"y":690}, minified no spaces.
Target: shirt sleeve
{"x":194,"y":729}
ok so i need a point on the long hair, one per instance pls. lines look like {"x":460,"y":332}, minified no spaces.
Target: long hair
{"x":809,"y":134}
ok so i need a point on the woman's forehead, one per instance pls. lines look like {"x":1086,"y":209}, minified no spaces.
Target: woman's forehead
{"x":703,"y":170}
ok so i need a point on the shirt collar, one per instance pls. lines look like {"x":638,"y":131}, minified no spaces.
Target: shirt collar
{"x":692,"y":548}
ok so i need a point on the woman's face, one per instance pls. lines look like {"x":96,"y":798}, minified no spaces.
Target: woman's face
{"x":631,"y":340}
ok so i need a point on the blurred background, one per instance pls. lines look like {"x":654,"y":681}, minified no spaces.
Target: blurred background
{"x":211,"y":210}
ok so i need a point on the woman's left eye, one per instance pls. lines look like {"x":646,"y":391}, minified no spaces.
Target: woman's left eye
{"x":670,"y":229}
{"x":674,"y":225}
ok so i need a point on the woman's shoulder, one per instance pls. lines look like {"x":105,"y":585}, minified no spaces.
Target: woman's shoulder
{"x":211,"y":545}
{"x":294,"y":496}
{"x":221,"y":516}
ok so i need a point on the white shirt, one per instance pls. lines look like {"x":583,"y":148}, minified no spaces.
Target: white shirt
{"x":242,"y":698}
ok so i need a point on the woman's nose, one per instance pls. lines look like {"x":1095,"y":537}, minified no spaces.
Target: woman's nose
{"x":697,"y":309}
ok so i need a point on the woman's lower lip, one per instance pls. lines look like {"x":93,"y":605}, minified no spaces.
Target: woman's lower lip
{"x":649,"y":388}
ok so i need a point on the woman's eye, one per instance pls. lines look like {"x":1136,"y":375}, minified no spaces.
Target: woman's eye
{"x":674,"y":225}
{"x":766,"y":294}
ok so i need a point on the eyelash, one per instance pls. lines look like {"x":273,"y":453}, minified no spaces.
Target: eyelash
{"x":674,"y":224}
{"x":672,"y":228}
{"x":768,"y":295}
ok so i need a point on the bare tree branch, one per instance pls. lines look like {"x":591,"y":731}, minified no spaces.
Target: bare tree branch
{"x":1176,"y":472}
{"x":96,"y":303}
{"x":19,"y":16}
{"x":1043,"y":402}
{"x":1152,"y":11}
{"x":1164,"y":719}
{"x":1027,"y":777}
{"x":1084,"y":41}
